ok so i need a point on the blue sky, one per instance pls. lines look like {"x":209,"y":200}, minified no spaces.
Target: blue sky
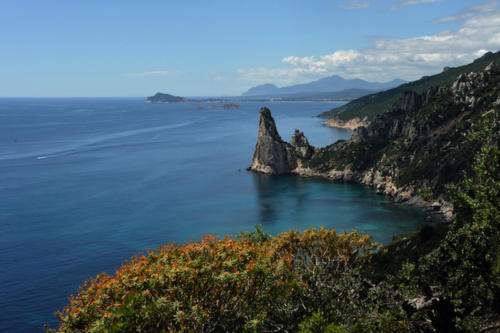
{"x":202,"y":48}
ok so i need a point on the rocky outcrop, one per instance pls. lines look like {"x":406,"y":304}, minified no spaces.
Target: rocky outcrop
{"x":349,"y":124}
{"x":272,"y":155}
{"x":466,"y":86}
{"x":302,"y":147}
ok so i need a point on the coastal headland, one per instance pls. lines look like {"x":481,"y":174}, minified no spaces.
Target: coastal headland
{"x":409,"y":153}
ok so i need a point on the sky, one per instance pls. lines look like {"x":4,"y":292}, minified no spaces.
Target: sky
{"x":222,"y":48}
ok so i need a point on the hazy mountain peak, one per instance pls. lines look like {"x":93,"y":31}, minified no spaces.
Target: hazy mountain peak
{"x":327,"y":84}
{"x":261,"y":89}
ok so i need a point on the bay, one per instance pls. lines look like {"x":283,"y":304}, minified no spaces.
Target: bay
{"x":87,"y":183}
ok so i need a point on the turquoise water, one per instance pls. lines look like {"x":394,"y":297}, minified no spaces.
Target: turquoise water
{"x":87,"y":183}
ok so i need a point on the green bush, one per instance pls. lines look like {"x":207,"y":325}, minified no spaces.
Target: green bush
{"x":251,"y":283}
{"x":464,"y":267}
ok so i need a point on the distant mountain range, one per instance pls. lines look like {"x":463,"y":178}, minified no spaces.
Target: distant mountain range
{"x":328,"y":84}
{"x":342,"y":95}
{"x":332,"y":88}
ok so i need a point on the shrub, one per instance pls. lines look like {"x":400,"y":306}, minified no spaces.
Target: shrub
{"x":463,"y":267}
{"x":251,"y":283}
{"x":317,"y":324}
{"x":426,"y":193}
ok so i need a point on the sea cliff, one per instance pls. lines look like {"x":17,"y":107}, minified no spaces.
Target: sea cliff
{"x":409,"y":153}
{"x":274,"y":156}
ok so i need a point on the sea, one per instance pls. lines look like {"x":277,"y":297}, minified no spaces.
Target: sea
{"x":86,"y":183}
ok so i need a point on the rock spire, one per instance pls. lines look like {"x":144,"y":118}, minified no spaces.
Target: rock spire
{"x":274,"y":156}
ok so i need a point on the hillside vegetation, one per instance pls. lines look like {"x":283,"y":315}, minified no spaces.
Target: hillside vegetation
{"x":423,"y":142}
{"x":371,"y":106}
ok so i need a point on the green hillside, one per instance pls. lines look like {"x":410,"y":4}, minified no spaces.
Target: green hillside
{"x":375,"y":104}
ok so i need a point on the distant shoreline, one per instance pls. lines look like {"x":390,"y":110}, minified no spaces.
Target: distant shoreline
{"x":188,"y":101}
{"x":249,"y":100}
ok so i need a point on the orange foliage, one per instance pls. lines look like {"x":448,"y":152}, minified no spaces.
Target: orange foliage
{"x":212,"y":285}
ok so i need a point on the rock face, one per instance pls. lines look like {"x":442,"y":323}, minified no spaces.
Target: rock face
{"x":272,"y":155}
{"x":301,"y":145}
{"x":350,"y":124}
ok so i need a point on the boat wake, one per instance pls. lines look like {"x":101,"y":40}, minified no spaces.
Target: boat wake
{"x":46,"y":156}
{"x":98,"y":142}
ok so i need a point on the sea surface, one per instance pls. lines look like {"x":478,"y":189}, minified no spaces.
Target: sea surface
{"x":87,"y":183}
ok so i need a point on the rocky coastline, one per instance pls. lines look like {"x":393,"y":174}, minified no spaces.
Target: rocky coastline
{"x":408,"y":195}
{"x":351,"y":124}
{"x":274,"y":156}
{"x":411,"y":153}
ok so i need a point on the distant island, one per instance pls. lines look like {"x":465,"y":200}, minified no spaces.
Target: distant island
{"x":227,"y":106}
{"x":165,"y":98}
{"x":224,"y":106}
{"x":168,"y":98}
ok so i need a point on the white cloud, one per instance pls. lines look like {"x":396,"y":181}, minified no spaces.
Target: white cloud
{"x":406,"y":58}
{"x":404,"y":3}
{"x":354,"y":4}
{"x":468,"y":12}
{"x":156,"y":73}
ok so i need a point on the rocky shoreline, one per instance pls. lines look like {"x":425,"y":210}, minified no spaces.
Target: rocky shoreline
{"x":274,"y":156}
{"x":351,"y":124}
{"x":407,"y":195}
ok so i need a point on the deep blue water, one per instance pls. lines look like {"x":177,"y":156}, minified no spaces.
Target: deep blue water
{"x":87,"y":183}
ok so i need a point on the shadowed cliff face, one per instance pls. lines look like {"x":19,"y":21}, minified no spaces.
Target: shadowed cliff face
{"x":274,"y":156}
